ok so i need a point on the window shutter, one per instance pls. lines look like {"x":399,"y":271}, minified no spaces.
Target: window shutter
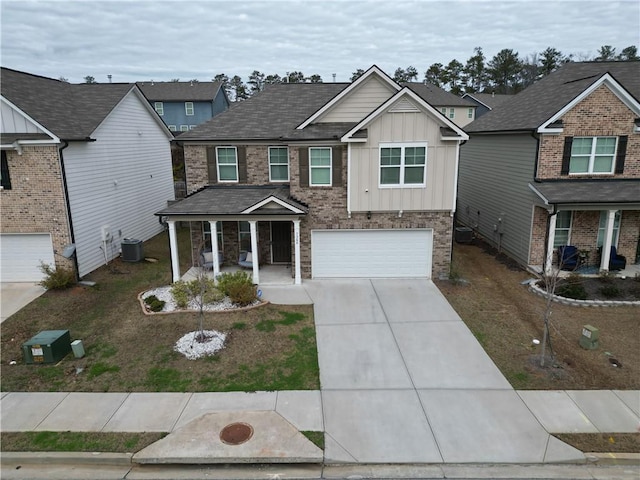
{"x":4,"y":172}
{"x":566,"y":156}
{"x":622,"y":152}
{"x":211,"y":165}
{"x":303,"y":160}
{"x":336,"y":167}
{"x":242,"y":164}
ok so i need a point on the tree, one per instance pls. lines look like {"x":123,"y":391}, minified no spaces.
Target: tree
{"x":222,"y":78}
{"x":436,"y":75}
{"x":174,"y":80}
{"x":63,"y":79}
{"x":272,"y":79}
{"x":238,"y":88}
{"x":357,"y":74}
{"x":474,"y":72}
{"x":89,"y":79}
{"x":504,"y":71}
{"x":453,"y":72}
{"x":256,"y":82}
{"x":294,"y":77}
{"x":402,"y":75}
{"x":606,"y":53}
{"x":550,"y":60}
{"x":530,"y":70}
{"x":628,"y":54}
{"x":315,"y":78}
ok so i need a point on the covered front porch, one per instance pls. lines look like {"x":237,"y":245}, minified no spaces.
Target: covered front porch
{"x":252,"y":227}
{"x":270,"y":274}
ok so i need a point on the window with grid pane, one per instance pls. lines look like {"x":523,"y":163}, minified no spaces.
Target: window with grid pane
{"x":403,"y":165}
{"x":206,"y":230}
{"x":602,"y":227}
{"x":159,"y":106}
{"x":227,"y":164}
{"x":278,"y":164}
{"x":188,"y":108}
{"x":592,"y":155}
{"x":563,"y":228}
{"x":320,"y":166}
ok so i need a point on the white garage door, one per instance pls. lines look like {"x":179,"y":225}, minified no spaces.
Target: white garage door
{"x":20,"y":256}
{"x":371,"y":253}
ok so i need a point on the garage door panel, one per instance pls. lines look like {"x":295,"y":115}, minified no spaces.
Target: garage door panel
{"x":21,"y":255}
{"x":371,"y":253}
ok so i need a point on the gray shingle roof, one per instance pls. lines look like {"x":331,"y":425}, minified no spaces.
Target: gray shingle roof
{"x":180,"y":91}
{"x":596,"y":191}
{"x":438,"y":97}
{"x":231,"y":200}
{"x":70,"y":111}
{"x":533,"y":106}
{"x":491,"y":100}
{"x":272,"y":114}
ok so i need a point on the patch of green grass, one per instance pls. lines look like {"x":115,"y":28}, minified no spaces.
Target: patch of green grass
{"x":481,"y":337}
{"x":99,"y":368}
{"x":117,"y":442}
{"x":49,"y":373}
{"x":518,"y":379}
{"x":239,"y":326}
{"x":317,"y":438}
{"x":288,"y":318}
{"x":167,"y":380}
{"x":108,"y":351}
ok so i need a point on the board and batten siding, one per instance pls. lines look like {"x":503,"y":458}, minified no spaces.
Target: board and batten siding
{"x":364,"y":190}
{"x":493,"y":192}
{"x":120,"y":181}
{"x":360,"y":102}
{"x":13,"y":121}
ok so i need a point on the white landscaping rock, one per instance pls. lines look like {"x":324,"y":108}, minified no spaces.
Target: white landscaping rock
{"x":193,"y":349}
{"x":164,"y":293}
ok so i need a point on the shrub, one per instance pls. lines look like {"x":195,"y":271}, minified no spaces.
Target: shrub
{"x":606,"y":277}
{"x":57,"y":278}
{"x":180,"y":293}
{"x":154,"y":303}
{"x":242,"y":294}
{"x":610,"y":291}
{"x":227,"y":280}
{"x":184,"y":291}
{"x":572,"y":290}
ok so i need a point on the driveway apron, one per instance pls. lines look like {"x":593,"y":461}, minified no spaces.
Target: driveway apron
{"x":404,"y":380}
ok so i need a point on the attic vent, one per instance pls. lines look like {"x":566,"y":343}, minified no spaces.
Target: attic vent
{"x":403,"y":106}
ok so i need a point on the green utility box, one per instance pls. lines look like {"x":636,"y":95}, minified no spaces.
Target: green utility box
{"x":48,"y":346}
{"x":589,"y":337}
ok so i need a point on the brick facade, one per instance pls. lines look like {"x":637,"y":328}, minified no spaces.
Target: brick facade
{"x":36,"y":202}
{"x":327,"y":209}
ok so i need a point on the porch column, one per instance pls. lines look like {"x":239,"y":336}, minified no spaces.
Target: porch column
{"x":254,"y":250}
{"x":296,"y":240}
{"x":608,"y":240}
{"x":214,"y":248}
{"x":548,"y":262}
{"x":173,"y":247}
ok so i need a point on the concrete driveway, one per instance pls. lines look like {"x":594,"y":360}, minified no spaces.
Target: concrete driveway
{"x":14,"y":296}
{"x":404,"y":380}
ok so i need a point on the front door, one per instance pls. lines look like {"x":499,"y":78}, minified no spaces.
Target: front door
{"x":281,"y":242}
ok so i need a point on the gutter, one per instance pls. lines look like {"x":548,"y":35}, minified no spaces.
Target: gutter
{"x":66,"y":199}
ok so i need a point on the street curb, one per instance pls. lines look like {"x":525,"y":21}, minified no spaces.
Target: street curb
{"x":613,"y":458}
{"x":62,"y":458}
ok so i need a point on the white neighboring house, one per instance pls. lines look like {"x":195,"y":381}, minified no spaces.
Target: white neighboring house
{"x":82,"y":164}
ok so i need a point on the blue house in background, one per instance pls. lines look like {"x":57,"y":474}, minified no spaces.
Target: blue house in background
{"x":183,"y":105}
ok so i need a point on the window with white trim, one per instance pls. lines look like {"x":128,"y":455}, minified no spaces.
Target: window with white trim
{"x":159,"y":106}
{"x":563,"y":228}
{"x":403,"y":165}
{"x":172,"y":128}
{"x":278,"y":164}
{"x":188,"y":108}
{"x":593,"y":155}
{"x":602,"y":227}
{"x":444,"y":110}
{"x":470,"y":113}
{"x":227,"y":164}
{"x":244,"y":236}
{"x":184,"y":128}
{"x":452,"y":113}
{"x":206,"y":230}
{"x":320,"y":166}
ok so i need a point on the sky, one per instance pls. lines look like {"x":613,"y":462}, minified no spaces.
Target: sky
{"x":196,"y":39}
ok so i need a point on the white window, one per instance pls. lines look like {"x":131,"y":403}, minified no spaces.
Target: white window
{"x":592,"y":155}
{"x":159,"y":106}
{"x":244,"y":236}
{"x":188,"y":108}
{"x":320,"y":166}
{"x":184,"y":128}
{"x":227,"y":164}
{"x":470,"y":113}
{"x":403,"y":165}
{"x":206,"y":230}
{"x":173,"y":128}
{"x":603,"y":226}
{"x":452,"y":113}
{"x":444,"y":110}
{"x":278,"y":164}
{"x":563,"y":228}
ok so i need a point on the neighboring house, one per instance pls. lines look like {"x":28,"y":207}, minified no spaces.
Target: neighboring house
{"x":184,"y":105}
{"x":559,"y":164}
{"x":460,"y":111}
{"x":485,"y":102}
{"x":334,"y":179}
{"x":85,"y":164}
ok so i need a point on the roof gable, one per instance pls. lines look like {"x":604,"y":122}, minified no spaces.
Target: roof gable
{"x":20,"y":127}
{"x":180,"y":91}
{"x":372,"y":74}
{"x":405,"y":98}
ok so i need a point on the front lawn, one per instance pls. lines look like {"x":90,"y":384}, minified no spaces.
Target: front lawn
{"x":267,"y":348}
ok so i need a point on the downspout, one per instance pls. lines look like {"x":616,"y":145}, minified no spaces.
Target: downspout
{"x":454,"y":214}
{"x":66,"y":200}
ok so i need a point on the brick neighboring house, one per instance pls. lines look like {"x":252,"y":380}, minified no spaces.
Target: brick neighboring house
{"x":334,"y":179}
{"x":559,"y":164}
{"x":84,"y":165}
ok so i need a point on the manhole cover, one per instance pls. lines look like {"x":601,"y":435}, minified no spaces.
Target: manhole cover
{"x":236,"y":433}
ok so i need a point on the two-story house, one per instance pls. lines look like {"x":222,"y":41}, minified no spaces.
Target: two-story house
{"x":335,"y":179}
{"x":83,"y":167}
{"x":485,"y":102}
{"x":559,"y":164}
{"x":184,"y":105}
{"x":459,"y":110}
